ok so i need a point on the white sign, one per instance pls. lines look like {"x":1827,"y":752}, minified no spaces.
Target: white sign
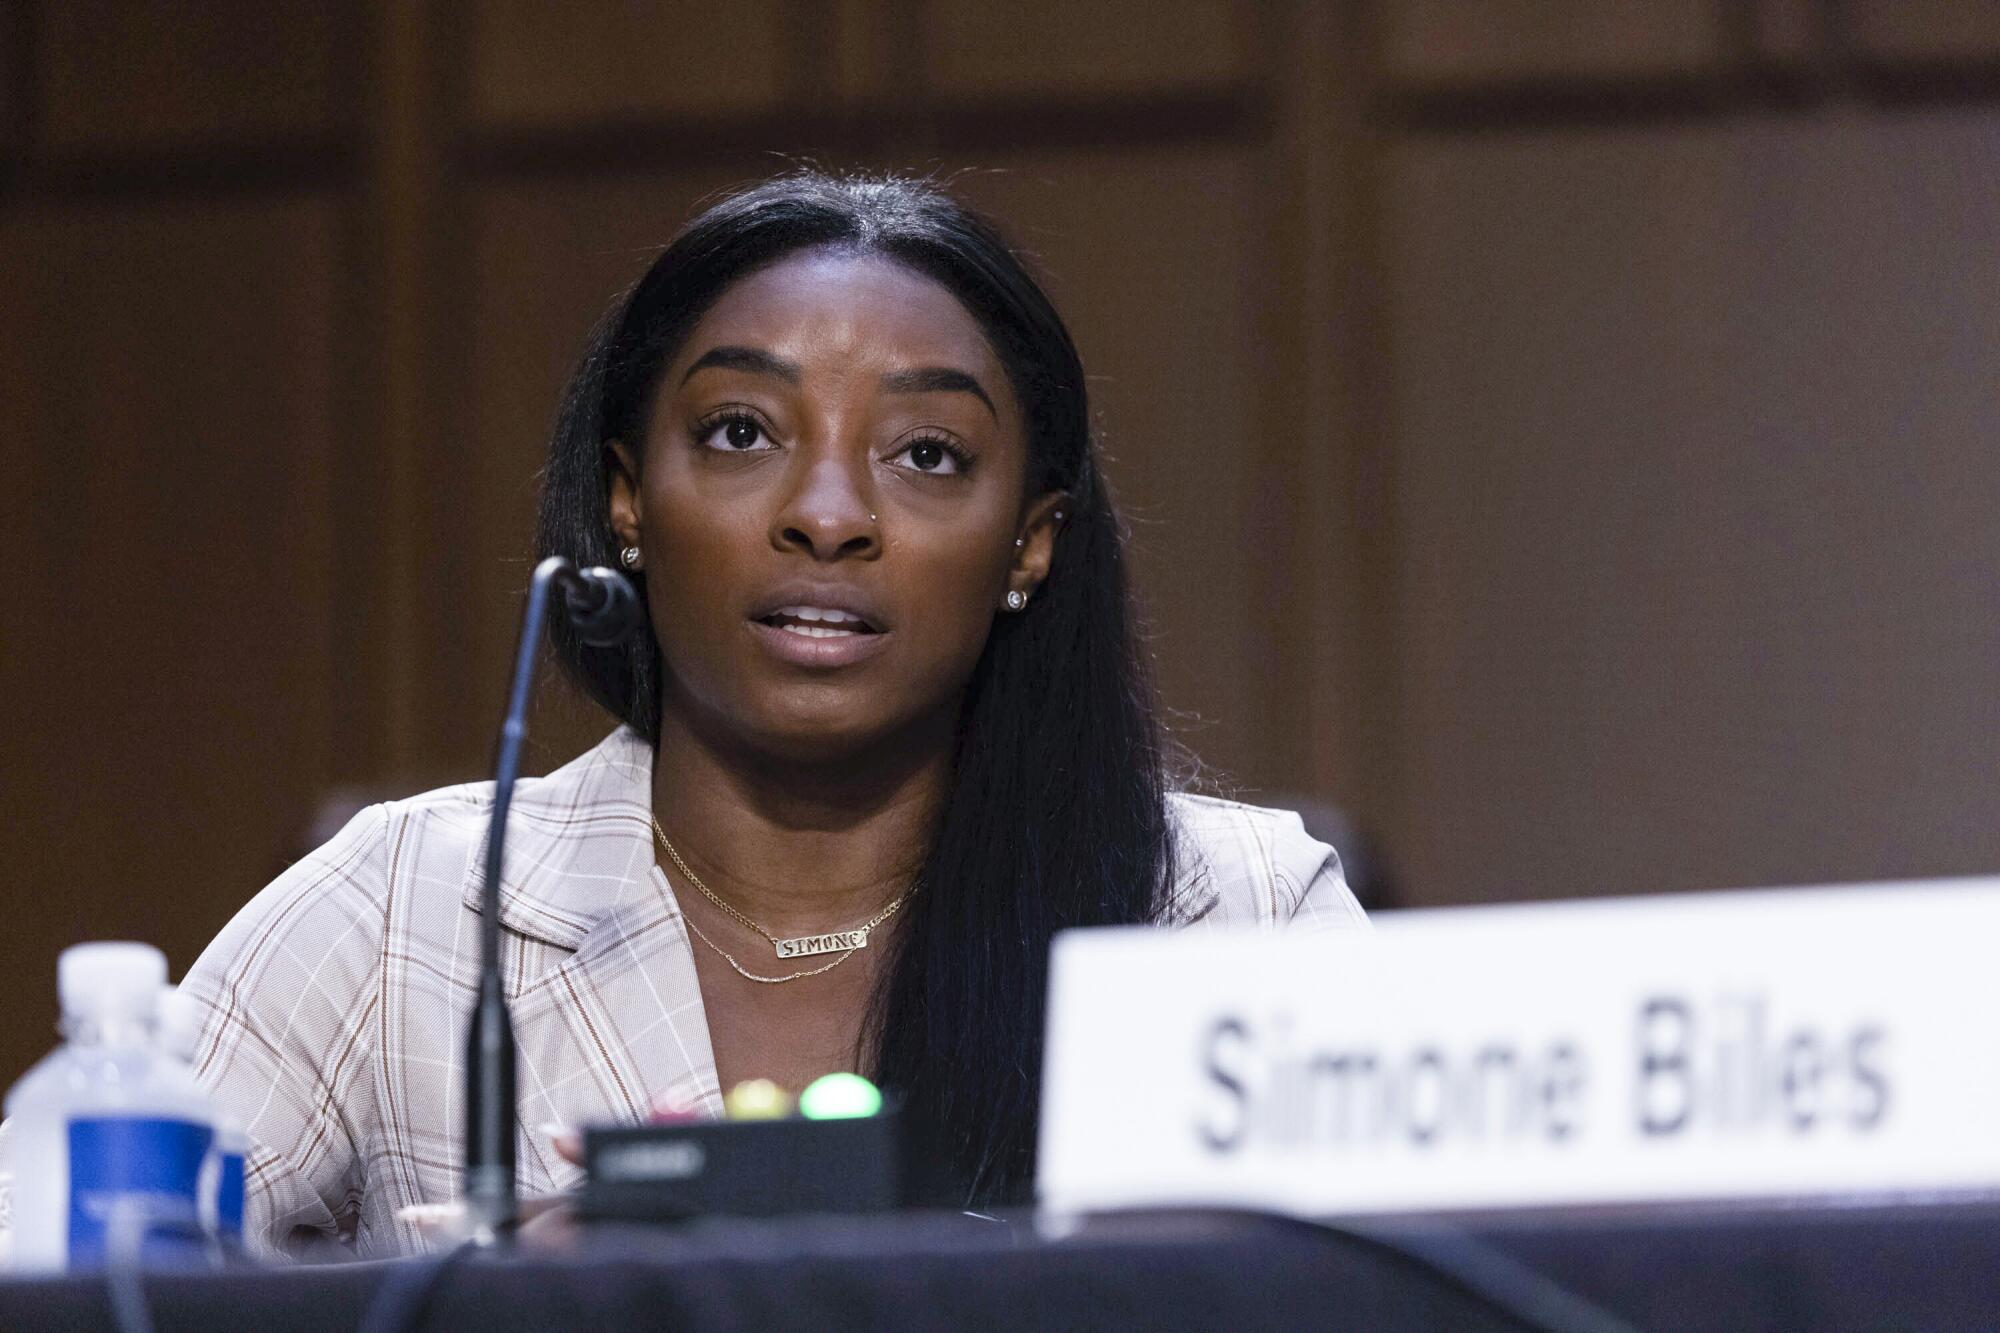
{"x":1742,"y":1045}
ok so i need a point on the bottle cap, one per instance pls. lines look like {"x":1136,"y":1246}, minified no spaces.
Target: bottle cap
{"x":840,"y":1097}
{"x":180,"y":1018}
{"x":115,"y":979}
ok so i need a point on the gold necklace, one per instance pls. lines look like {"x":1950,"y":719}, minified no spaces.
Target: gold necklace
{"x":843,"y":942}
{"x":744,"y":972}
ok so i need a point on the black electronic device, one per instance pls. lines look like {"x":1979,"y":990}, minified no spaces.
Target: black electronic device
{"x":754,"y":1168}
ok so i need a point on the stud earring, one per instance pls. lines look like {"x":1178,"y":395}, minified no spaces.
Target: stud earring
{"x":630,"y":557}
{"x":1016,"y":599}
{"x":1019,"y":542}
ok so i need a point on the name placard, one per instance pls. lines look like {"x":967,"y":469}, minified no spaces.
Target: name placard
{"x":1719,"y":1046}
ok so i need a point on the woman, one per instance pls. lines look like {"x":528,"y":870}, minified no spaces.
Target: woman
{"x":840,"y":439}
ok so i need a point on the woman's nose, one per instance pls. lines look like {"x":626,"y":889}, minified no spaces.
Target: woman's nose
{"x":827,"y":515}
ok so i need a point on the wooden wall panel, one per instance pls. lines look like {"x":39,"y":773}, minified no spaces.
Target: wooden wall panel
{"x":13,"y":40}
{"x":117,"y":75}
{"x":862,"y":57}
{"x":1110,"y":47}
{"x":1434,"y":42}
{"x":27,"y":485}
{"x":535,"y":65}
{"x":1788,"y":32}
{"x":169,"y":660}
{"x":1147,"y":255}
{"x":1695,"y":437}
{"x":1924,"y":30}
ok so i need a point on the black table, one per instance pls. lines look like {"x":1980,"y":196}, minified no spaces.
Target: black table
{"x":1823,"y":1269}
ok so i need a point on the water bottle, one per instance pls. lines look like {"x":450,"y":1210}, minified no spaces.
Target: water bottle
{"x":111,"y":1137}
{"x":221,"y":1198}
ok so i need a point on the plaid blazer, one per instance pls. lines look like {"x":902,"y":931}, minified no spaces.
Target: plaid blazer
{"x":336,"y":998}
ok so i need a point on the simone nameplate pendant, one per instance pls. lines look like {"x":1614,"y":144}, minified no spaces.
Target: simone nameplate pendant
{"x":805,"y":946}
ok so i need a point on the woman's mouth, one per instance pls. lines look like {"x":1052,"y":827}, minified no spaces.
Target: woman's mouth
{"x":817,"y":622}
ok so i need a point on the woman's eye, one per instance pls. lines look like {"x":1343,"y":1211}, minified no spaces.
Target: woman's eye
{"x":733,"y":434}
{"x":933,"y":456}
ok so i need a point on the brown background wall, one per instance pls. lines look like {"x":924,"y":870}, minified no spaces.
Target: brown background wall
{"x":1559,"y":430}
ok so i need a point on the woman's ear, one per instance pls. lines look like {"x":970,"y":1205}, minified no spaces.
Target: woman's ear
{"x":1035,"y":542}
{"x":626,"y":506}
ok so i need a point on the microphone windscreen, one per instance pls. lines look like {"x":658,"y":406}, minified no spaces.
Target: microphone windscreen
{"x":606,"y":610}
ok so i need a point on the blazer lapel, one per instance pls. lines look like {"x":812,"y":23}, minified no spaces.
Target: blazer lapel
{"x":607,"y":1011}
{"x":614,"y":1028}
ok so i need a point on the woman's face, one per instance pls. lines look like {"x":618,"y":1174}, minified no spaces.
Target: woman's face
{"x":827,"y":502}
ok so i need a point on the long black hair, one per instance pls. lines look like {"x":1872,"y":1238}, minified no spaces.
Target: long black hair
{"x":1057,"y":813}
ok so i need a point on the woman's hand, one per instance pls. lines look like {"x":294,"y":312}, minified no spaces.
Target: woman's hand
{"x":549,"y":1224}
{"x":567,"y":1142}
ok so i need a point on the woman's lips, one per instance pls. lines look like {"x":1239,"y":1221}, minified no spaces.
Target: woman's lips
{"x":816,"y":646}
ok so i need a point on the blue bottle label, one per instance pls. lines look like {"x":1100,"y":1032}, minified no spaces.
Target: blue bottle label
{"x":138,"y":1172}
{"x":229,"y":1197}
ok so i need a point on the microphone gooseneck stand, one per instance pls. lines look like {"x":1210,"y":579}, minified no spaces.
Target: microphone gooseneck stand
{"x":603,"y":607}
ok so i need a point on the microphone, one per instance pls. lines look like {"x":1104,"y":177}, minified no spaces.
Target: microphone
{"x":602,"y":606}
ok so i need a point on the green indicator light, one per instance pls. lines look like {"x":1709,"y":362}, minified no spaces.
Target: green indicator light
{"x":839,"y":1097}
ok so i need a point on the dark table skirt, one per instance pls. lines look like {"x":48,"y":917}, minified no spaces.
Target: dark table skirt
{"x":1877,"y":1268}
